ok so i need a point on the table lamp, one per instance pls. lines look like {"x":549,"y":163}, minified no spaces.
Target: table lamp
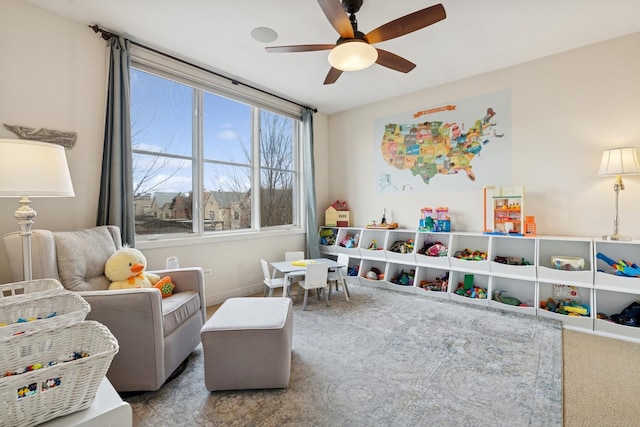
{"x":32,"y":169}
{"x":617,"y":162}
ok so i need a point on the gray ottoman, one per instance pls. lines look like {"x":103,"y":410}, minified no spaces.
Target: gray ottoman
{"x":247,"y":344}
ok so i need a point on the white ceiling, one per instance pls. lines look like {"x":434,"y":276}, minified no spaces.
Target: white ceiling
{"x":476,"y":37}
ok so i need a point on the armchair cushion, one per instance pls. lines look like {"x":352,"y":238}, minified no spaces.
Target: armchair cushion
{"x":177,"y":308}
{"x":81,"y":258}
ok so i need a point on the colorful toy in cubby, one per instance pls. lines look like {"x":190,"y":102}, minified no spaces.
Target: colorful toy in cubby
{"x":440,"y":284}
{"x":467,"y":289}
{"x":353,"y":271}
{"x":374,"y":274}
{"x":511,"y":260}
{"x":504,"y":299}
{"x":621,"y":267}
{"x":350,"y":241}
{"x":404,"y":278}
{"x":328,"y":236}
{"x":433,"y":249}
{"x":402,"y":246}
{"x":565,"y":300}
{"x":630,"y":316}
{"x":373,"y":246}
{"x":566,"y":307}
{"x":469,"y":255}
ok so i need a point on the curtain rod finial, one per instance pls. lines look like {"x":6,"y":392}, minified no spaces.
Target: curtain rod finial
{"x":104,"y":34}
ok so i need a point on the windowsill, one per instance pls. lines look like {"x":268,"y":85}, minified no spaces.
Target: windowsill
{"x":168,"y":240}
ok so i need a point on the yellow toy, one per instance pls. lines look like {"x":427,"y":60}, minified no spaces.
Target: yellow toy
{"x":125,"y":269}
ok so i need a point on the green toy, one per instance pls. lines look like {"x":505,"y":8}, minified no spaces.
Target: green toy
{"x":506,"y":300}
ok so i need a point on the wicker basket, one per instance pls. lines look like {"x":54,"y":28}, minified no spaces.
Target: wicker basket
{"x":57,"y":390}
{"x":67,"y":306}
{"x":29,"y":287}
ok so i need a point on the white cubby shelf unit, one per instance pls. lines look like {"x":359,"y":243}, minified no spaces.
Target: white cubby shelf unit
{"x":532,"y":282}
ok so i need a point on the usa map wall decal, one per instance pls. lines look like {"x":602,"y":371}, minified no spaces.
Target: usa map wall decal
{"x":459,"y":145}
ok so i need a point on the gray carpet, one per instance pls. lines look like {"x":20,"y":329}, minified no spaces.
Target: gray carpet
{"x":387,"y":359}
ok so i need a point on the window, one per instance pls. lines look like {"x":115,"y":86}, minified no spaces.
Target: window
{"x":204,"y":157}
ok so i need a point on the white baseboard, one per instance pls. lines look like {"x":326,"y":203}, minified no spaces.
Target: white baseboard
{"x":247,"y":291}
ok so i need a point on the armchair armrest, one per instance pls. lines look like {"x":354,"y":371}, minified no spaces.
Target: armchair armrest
{"x":188,"y":279}
{"x":134,"y":317}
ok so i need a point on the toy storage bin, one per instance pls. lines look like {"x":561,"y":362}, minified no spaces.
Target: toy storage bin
{"x":40,"y":395}
{"x":479,"y":280}
{"x":524,"y":290}
{"x":610,"y":303}
{"x":370,"y":238}
{"x":29,"y":287}
{"x":432,"y":261}
{"x":430,"y":274}
{"x":549,"y":247}
{"x":392,"y":270}
{"x":365,"y":266}
{"x":546,"y":290}
{"x":328,"y":240}
{"x":510,"y":247}
{"x":397,"y":237}
{"x":472,"y":242}
{"x":67,"y":306}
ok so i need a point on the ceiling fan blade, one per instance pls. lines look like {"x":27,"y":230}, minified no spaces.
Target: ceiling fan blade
{"x":300,"y":48}
{"x":407,"y":24}
{"x":332,"y":76}
{"x":393,"y":61}
{"x":337,"y":17}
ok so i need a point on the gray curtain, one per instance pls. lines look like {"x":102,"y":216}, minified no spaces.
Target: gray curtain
{"x":115,"y":203}
{"x":313,"y":241}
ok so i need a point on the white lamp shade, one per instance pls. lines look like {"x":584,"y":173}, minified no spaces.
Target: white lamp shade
{"x":619,"y":161}
{"x":33,"y":169}
{"x":353,"y":55}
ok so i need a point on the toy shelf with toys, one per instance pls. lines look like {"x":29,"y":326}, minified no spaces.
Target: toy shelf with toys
{"x":589,"y":284}
{"x":617,"y":288}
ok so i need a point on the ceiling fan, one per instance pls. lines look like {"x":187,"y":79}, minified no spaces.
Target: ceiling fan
{"x":354,"y":51}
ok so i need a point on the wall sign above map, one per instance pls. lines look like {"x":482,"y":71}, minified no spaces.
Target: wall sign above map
{"x":459,"y":145}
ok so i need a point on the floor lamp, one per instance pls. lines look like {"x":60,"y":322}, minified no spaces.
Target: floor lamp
{"x":32,"y":169}
{"x":617,"y":162}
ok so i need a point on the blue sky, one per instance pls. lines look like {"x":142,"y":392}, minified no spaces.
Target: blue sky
{"x":161,"y":114}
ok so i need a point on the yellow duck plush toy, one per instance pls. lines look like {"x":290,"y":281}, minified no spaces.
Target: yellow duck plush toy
{"x":125,"y":269}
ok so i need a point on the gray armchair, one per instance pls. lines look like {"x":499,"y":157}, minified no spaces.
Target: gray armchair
{"x":155,"y":335}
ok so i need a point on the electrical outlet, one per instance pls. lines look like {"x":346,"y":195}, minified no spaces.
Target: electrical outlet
{"x":208,"y":272}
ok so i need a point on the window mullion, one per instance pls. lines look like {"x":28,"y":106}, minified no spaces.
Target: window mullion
{"x":197,"y":140}
{"x":255,"y":167}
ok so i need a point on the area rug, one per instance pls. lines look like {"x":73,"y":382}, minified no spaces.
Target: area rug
{"x":387,"y":358}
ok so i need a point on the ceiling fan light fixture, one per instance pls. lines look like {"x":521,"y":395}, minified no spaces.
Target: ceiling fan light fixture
{"x":353,"y":55}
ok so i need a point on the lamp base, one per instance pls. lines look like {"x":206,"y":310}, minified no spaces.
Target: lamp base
{"x":617,"y":237}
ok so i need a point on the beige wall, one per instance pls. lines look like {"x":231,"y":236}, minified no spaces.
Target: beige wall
{"x":53,"y":74}
{"x":566,"y":109}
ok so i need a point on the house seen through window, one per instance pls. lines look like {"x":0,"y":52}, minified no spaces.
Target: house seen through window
{"x":208,"y":163}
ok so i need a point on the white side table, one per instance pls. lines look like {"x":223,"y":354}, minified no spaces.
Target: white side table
{"x":107,"y":410}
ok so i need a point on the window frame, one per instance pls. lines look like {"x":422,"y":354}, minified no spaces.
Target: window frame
{"x":202,"y":81}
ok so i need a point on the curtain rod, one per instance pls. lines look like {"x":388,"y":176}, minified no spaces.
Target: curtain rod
{"x":107,"y":35}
